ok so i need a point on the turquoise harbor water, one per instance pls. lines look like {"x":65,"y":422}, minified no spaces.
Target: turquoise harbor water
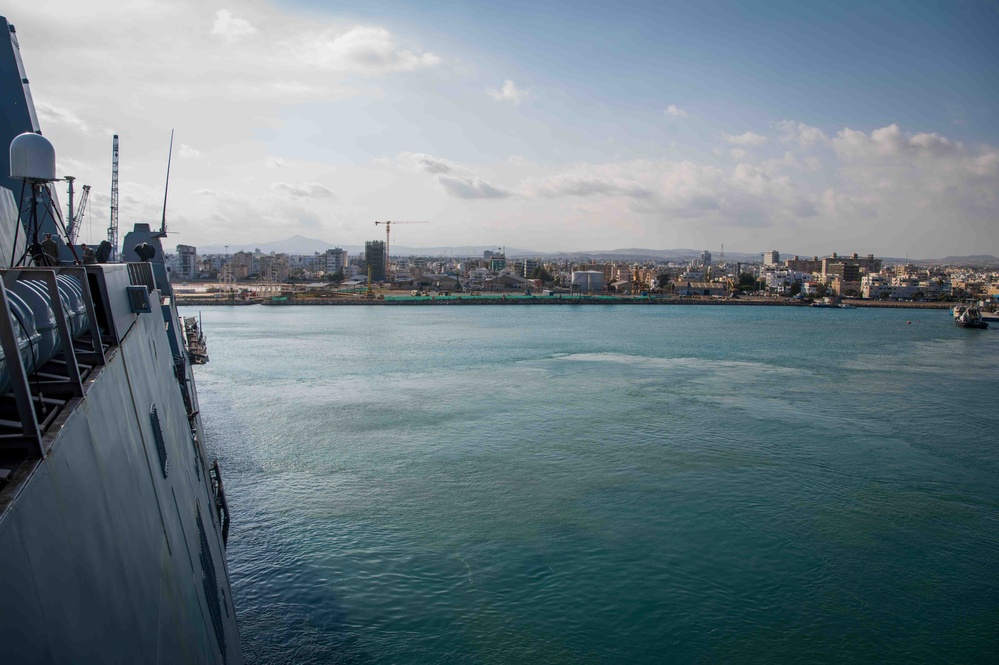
{"x":607,"y":484}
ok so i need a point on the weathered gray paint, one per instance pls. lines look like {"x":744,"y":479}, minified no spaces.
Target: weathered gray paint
{"x":100,"y":552}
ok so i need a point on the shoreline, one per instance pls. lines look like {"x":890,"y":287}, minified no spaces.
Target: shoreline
{"x":458,"y":301}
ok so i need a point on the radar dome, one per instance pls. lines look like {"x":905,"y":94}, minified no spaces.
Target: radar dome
{"x":32,"y":157}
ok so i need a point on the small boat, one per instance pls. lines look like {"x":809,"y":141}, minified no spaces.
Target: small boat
{"x":826,"y":302}
{"x":971,"y":317}
{"x":844,"y":305}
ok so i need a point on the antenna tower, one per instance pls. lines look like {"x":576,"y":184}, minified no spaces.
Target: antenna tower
{"x":70,"y":179}
{"x":166,"y":187}
{"x":113,"y":226}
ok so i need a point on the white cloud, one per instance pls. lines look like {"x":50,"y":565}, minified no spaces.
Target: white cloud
{"x":675,"y":111}
{"x":311,"y":190}
{"x":60,"y":116}
{"x":588,"y":185}
{"x":307,"y":76}
{"x":420,"y":162}
{"x":230,"y":28}
{"x":891,"y":142}
{"x":362,"y":49}
{"x":509,"y":93}
{"x":471,"y":188}
{"x":188,"y":152}
{"x":456,"y":180}
{"x":746,"y":196}
{"x":750,"y":139}
{"x":804,"y":135}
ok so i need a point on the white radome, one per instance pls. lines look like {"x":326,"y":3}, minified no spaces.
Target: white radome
{"x":32,"y":157}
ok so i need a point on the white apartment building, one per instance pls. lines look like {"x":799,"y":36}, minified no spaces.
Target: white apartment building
{"x":336,"y":260}
{"x":780,"y":281}
{"x":878,"y":286}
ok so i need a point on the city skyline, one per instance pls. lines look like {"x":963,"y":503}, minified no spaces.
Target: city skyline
{"x":560,"y":127}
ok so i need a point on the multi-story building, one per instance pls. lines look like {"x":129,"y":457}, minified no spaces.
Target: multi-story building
{"x":798,"y":264}
{"x":645,"y":278}
{"x":526,"y":267}
{"x":771,"y":259}
{"x":210,"y":264}
{"x":187,"y":261}
{"x":477,"y":277}
{"x":621,"y":274}
{"x":274,"y":267}
{"x":856,"y":265}
{"x":606,"y":268}
{"x":780,"y":282}
{"x":374,"y":257}
{"x":881,"y":286}
{"x":335,"y":260}
{"x":847,"y":272}
{"x":241,"y":264}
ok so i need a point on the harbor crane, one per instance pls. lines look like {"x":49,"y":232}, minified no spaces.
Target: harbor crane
{"x":388,"y":229}
{"x":76,"y":218}
{"x":113,"y":225}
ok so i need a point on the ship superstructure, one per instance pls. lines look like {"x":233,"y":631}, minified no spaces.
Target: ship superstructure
{"x":113,"y":522}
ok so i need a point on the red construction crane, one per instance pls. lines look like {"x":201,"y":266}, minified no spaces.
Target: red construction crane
{"x":388,"y":229}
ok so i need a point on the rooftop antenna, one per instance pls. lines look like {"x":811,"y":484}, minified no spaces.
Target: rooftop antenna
{"x":166,"y":187}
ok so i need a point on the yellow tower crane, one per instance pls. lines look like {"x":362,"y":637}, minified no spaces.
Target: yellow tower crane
{"x":388,"y":229}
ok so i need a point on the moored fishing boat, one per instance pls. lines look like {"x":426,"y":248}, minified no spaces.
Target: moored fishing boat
{"x":971,"y":317}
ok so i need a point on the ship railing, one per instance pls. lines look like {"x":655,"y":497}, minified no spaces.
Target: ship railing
{"x":43,"y":370}
{"x":141,"y":274}
{"x":221,"y":505}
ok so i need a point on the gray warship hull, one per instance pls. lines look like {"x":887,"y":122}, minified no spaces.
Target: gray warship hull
{"x":112,"y":519}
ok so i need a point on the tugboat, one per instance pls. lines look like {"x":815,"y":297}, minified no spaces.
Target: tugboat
{"x":971,"y":318}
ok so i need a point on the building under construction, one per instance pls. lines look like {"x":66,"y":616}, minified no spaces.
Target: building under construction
{"x":374,"y":258}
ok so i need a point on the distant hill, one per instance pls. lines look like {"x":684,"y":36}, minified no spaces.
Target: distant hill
{"x":973,"y":260}
{"x":292,"y":245}
{"x":302,"y":245}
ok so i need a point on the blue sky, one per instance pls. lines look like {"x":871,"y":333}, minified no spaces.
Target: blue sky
{"x":806,"y":127}
{"x":926,"y":66}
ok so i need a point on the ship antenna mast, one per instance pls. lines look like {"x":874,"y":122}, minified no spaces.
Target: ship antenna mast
{"x":113,"y":227}
{"x":166,"y":187}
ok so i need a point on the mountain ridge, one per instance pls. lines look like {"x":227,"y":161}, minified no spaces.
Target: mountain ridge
{"x":298,"y":244}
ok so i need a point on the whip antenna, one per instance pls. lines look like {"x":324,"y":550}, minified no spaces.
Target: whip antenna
{"x":166,"y":187}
